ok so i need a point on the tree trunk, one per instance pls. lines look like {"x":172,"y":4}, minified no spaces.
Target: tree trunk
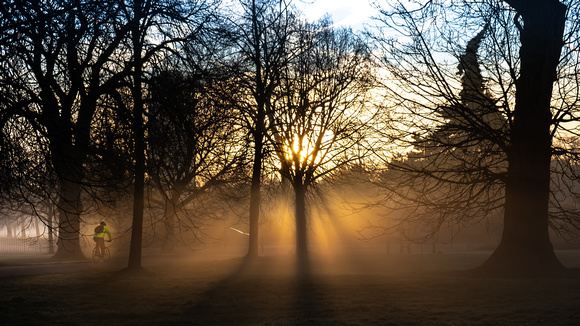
{"x":66,"y":162}
{"x":170,"y":238}
{"x":525,"y":247}
{"x":301,"y":222}
{"x":258,"y":133}
{"x":49,"y":223}
{"x":36,"y":227}
{"x":253,"y":249}
{"x":8,"y":229}
{"x":69,"y":222}
{"x":139,"y":139}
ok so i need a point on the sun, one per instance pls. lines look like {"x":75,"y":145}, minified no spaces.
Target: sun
{"x":299,"y":151}
{"x":304,"y":150}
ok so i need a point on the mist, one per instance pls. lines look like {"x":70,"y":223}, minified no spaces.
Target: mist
{"x":259,"y":163}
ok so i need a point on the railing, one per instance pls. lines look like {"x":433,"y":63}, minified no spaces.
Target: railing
{"x":23,"y":245}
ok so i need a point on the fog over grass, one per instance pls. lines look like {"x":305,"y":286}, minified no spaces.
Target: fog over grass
{"x":372,"y":288}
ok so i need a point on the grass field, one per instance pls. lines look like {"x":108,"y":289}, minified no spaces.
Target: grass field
{"x":369,"y":289}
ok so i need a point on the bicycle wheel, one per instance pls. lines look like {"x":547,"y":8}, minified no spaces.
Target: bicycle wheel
{"x":106,"y":255}
{"x":96,"y":257}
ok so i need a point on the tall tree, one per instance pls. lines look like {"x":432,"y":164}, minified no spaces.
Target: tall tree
{"x":158,"y":27}
{"x":322,"y":121}
{"x":258,"y":35}
{"x":525,"y":246}
{"x":139,"y":32}
{"x":504,"y":150}
{"x":60,"y":63}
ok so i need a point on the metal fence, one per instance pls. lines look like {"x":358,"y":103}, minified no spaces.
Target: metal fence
{"x":24,"y":245}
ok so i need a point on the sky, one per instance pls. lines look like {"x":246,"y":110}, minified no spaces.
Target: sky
{"x":352,"y":13}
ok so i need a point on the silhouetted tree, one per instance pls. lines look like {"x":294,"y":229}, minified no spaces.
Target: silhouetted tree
{"x":59,"y":63}
{"x":157,"y":27}
{"x":525,"y":246}
{"x":499,"y":150}
{"x":258,"y":35}
{"x":322,"y":117}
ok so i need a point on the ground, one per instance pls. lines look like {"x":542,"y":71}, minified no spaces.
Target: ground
{"x":361,"y":289}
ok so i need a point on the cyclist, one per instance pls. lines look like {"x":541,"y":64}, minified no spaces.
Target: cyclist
{"x":99,"y":238}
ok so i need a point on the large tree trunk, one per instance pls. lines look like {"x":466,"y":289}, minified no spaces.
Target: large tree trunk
{"x":525,"y":247}
{"x":66,"y":161}
{"x":69,"y":222}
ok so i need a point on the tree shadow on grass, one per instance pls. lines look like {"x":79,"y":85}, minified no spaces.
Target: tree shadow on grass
{"x":266,"y":290}
{"x":308,"y":296}
{"x":501,"y":272}
{"x":132,"y":272}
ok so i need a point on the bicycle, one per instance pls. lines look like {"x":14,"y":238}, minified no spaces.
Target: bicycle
{"x":106,"y":254}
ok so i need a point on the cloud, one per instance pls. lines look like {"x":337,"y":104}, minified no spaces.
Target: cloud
{"x":343,"y":12}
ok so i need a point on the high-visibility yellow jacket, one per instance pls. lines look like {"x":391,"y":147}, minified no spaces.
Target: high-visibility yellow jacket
{"x":102,"y":234}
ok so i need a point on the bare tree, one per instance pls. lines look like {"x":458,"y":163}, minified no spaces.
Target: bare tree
{"x":322,"y":120}
{"x":157,"y":27}
{"x":59,"y":63}
{"x":500,"y":150}
{"x":257,"y":34}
